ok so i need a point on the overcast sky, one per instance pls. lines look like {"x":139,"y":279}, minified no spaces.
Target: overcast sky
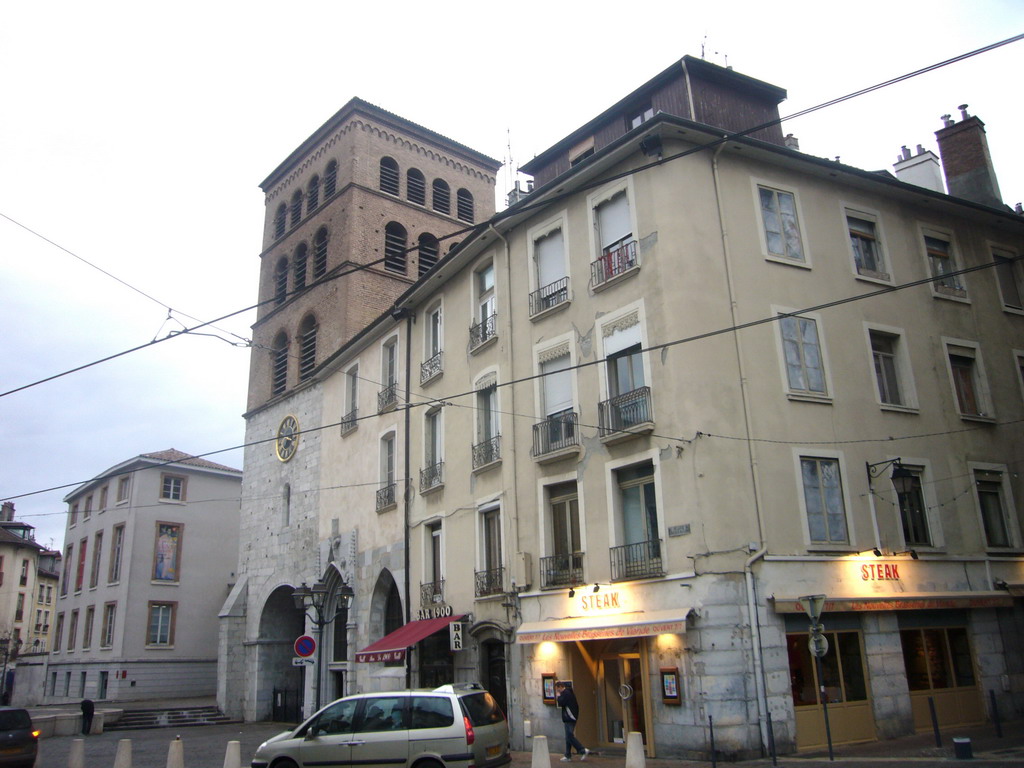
{"x":134,"y":135}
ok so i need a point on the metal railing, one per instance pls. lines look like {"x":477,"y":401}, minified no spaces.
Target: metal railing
{"x":559,"y":431}
{"x":489,"y":582}
{"x":487,"y":452}
{"x":620,"y":413}
{"x":432,"y":476}
{"x":432,"y":367}
{"x":386,"y":496}
{"x":349,"y":421}
{"x":549,"y":296}
{"x":561,"y":570}
{"x":636,"y":561}
{"x":483,"y":331}
{"x":387,"y":397}
{"x":613,"y":263}
{"x":432,"y":592}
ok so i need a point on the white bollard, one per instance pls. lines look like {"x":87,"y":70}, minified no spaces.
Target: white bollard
{"x":76,"y":757}
{"x":541,"y":756}
{"x":124,"y":754}
{"x":635,"y":757}
{"x":176,"y":754}
{"x":233,"y":756}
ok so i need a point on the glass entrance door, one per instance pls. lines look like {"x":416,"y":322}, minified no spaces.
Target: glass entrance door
{"x":623,"y":698}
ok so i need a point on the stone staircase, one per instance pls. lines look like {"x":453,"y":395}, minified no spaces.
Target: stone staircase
{"x":176,"y":717}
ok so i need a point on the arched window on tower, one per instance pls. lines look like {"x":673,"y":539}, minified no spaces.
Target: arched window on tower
{"x":464,"y":205}
{"x":416,"y":186}
{"x":280,"y":220}
{"x":394,"y":247}
{"x":320,"y":253}
{"x":330,"y":178}
{"x":313,"y":194}
{"x":442,"y":197}
{"x":281,"y":281}
{"x":301,"y":257}
{"x":428,"y":249}
{"x":389,"y":175}
{"x":279,"y":364}
{"x":307,"y":347}
{"x":296,"y":208}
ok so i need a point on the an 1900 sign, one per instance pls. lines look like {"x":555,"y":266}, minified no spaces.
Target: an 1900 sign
{"x":437,"y":612}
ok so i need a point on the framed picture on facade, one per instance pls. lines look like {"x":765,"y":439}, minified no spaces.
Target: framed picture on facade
{"x":670,"y":685}
{"x":548,"y":687}
{"x":167,"y":552}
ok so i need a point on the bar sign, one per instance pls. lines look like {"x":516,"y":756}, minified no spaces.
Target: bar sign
{"x":455,"y":630}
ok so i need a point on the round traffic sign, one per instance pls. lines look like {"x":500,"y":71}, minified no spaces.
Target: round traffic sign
{"x":305,"y":646}
{"x":818,"y":645}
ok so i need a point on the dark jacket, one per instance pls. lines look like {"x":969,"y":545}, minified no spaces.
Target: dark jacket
{"x":570,"y":707}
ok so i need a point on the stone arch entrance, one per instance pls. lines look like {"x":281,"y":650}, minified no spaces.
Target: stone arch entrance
{"x":493,"y":640}
{"x":384,"y":614}
{"x":278,"y":684}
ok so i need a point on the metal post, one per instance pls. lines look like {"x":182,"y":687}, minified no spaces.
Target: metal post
{"x":711,"y":725}
{"x":995,"y":714}
{"x":824,"y":707}
{"x":935,"y":721}
{"x":771,"y":740}
{"x":319,"y":636}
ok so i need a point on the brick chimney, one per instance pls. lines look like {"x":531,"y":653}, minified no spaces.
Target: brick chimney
{"x":966,"y":160}
{"x":7,"y":512}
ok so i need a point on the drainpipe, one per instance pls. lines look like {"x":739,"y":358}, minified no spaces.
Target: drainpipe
{"x":752,"y":614}
{"x":406,"y":494}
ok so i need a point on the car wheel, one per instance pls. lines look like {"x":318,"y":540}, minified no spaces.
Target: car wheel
{"x":285,"y":763}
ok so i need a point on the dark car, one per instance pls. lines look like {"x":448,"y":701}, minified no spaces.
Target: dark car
{"x":19,"y":742}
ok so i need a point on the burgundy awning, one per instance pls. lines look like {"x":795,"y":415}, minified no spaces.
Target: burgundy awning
{"x":392,"y":646}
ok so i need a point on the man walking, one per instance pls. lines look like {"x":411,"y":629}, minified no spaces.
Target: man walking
{"x":570,"y":714}
{"x":88,"y":709}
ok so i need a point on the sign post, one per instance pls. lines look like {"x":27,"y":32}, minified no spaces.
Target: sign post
{"x":817,"y":643}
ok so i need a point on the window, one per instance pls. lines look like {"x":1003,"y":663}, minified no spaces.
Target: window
{"x":489,"y":579}
{"x":339,"y":634}
{"x":638,"y":115}
{"x":74,"y":513}
{"x":464,"y":205}
{"x":416,"y":186}
{"x":1008,"y":274}
{"x":435,"y":566}
{"x":394,"y":247}
{"x":58,"y":631}
{"x":564,"y":566}
{"x":116,"y":548}
{"x":73,"y":630}
{"x":914,"y":514}
{"x":280,"y":220}
{"x":883,"y":352}
{"x":993,"y":507}
{"x":433,"y":363}
{"x":428,"y":250}
{"x":123,"y":484}
{"x":330,"y":178}
{"x":313,"y":194}
{"x":90,"y":616}
{"x":388,"y":396}
{"x":167,"y":552}
{"x":307,"y":347}
{"x":320,"y":253}
{"x":104,"y":493}
{"x":488,"y":439}
{"x":937,"y":657}
{"x":559,"y":427}
{"x":942,"y":265}
{"x":629,"y":399}
{"x":805,"y":369}
{"x":486,"y":327}
{"x":843,"y":677}
{"x":281,"y":281}
{"x":349,"y":420}
{"x":442,"y":196}
{"x":386,"y":494}
{"x":616,"y":244}
{"x":109,"y":615}
{"x":433,"y":450}
{"x":87,"y":512}
{"x":640,"y":553}
{"x":549,"y":265}
{"x":299,"y":266}
{"x":172,"y":488}
{"x":23,"y":581}
{"x":19,"y":607}
{"x":97,"y":550}
{"x":823,"y":500}
{"x":868,"y":258}
{"x":279,"y":364}
{"x":296,"y":208}
{"x":969,"y":383}
{"x":782,"y":236}
{"x":80,"y":571}
{"x":161,"y":624}
{"x":389,"y":176}
{"x":66,"y":578}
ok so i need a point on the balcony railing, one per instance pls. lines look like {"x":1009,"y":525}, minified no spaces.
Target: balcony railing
{"x":613,"y":263}
{"x":483,"y":331}
{"x":489,"y":582}
{"x":349,"y":421}
{"x":561,"y":570}
{"x":387,"y":397}
{"x":549,"y":296}
{"x":558,"y":432}
{"x":432,"y":476}
{"x":432,"y":592}
{"x":431,"y":368}
{"x":622,"y":412}
{"x":636,"y":561}
{"x":487,"y":452}
{"x":386,"y":497}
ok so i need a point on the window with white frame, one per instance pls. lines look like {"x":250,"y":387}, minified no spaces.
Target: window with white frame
{"x":116,"y":549}
{"x":823,"y":500}
{"x":563,"y":567}
{"x":942,"y":265}
{"x":172,"y":488}
{"x":868,"y":254}
{"x":885,"y":353}
{"x":488,"y":431}
{"x":968,"y":378}
{"x":97,"y":551}
{"x":433,"y":346}
{"x":639,"y":554}
{"x":123,"y":484}
{"x":489,"y":579}
{"x":613,"y":223}
{"x":559,"y":427}
{"x":782,"y":237}
{"x":350,"y":420}
{"x":549,"y":267}
{"x":386,"y":497}
{"x":107,"y":631}
{"x":914,"y":512}
{"x":992,"y":495}
{"x":802,"y":353}
{"x":388,"y":395}
{"x":432,"y":590}
{"x":1009,"y":272}
{"x":160,"y":631}
{"x":485,"y":321}
{"x":90,"y":618}
{"x":432,"y":474}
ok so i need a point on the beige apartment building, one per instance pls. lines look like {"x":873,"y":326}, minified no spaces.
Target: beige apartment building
{"x":644,"y":412}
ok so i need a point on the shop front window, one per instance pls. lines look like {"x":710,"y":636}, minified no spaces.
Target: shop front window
{"x":842,"y":670}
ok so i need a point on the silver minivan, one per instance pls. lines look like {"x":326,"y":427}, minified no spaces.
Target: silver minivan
{"x":454,"y":726}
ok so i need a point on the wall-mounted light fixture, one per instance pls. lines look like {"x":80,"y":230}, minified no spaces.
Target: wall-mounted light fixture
{"x":902,"y":478}
{"x":572,"y":592}
{"x":597,"y":588}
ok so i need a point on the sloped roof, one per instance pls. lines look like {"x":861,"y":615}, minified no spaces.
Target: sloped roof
{"x":7,"y":537}
{"x":180,"y":457}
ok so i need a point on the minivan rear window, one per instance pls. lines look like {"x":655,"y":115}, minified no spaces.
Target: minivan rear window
{"x":14,"y":720}
{"x":482,"y":709}
{"x":432,"y":712}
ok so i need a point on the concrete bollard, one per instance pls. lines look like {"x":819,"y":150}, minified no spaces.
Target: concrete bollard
{"x":635,"y":757}
{"x":233,"y":756}
{"x":541,"y":756}
{"x":176,"y":754}
{"x":124,"y":754}
{"x":97,"y":723}
{"x":76,"y":757}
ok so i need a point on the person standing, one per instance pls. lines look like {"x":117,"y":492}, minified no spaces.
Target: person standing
{"x":88,"y":709}
{"x":570,"y":715}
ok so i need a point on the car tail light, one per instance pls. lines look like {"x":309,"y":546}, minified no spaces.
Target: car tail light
{"x":470,"y":736}
{"x":35,"y":734}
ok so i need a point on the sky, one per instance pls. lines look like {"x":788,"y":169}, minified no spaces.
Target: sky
{"x":133,"y":137}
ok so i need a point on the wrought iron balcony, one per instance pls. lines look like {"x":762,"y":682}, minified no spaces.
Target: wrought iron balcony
{"x":490,"y":582}
{"x":549,"y":296}
{"x":561,"y":570}
{"x":386,"y":497}
{"x":487,"y":452}
{"x":432,"y":476}
{"x":636,"y":561}
{"x":483,"y":331}
{"x":349,"y":421}
{"x":623,"y":412}
{"x":387,"y":397}
{"x":614,"y":262}
{"x":431,"y":368}
{"x":430,"y":593}
{"x":557,"y":432}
